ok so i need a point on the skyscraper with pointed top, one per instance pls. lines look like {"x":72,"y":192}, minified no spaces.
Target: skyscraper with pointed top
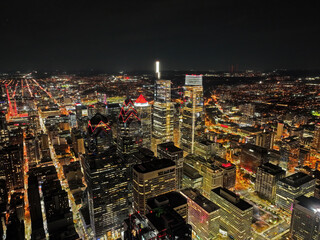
{"x":129,"y":134}
{"x":144,"y":112}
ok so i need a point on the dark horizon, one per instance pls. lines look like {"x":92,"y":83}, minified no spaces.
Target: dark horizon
{"x":129,"y":35}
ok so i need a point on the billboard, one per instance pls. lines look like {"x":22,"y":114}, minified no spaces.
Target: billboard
{"x":194,"y":80}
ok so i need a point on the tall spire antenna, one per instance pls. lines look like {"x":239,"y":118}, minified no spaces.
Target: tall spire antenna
{"x":158,"y":69}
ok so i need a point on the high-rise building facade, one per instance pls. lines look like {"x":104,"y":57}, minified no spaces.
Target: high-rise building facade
{"x":170,"y":151}
{"x":279,"y":130}
{"x":305,"y":219}
{"x":293,"y":186}
{"x":204,"y":215}
{"x":316,"y":137}
{"x":163,"y":113}
{"x":144,"y":112}
{"x":106,"y":176}
{"x":129,"y":132}
{"x":191,"y":178}
{"x":265,"y":139}
{"x":11,"y":166}
{"x":235,"y":214}
{"x":266,"y":180}
{"x":192,"y":125}
{"x":99,"y":133}
{"x":174,"y":200}
{"x":212,"y":174}
{"x":252,"y":156}
{"x":152,"y":179}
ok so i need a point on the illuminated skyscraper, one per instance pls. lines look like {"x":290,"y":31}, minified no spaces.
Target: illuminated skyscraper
{"x":106,"y":176}
{"x":265,"y":139}
{"x":163,"y":113}
{"x":144,"y":112}
{"x":170,"y":151}
{"x":293,"y":186}
{"x":11,"y":166}
{"x":99,"y":133}
{"x":152,"y":179}
{"x":266,"y":179}
{"x":235,"y":214}
{"x":316,"y":138}
{"x":305,"y":219}
{"x":279,"y":130}
{"x":129,"y":132}
{"x":212,"y":174}
{"x":193,"y":115}
{"x":203,"y":214}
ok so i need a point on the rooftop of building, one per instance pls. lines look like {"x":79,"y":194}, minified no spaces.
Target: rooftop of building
{"x":143,"y":155}
{"x":169,"y":146}
{"x":232,"y":198}
{"x":200,"y":200}
{"x":254,"y":148}
{"x":251,"y":129}
{"x":98,"y":161}
{"x":98,"y":118}
{"x":141,"y":100}
{"x":310,"y":203}
{"x":190,"y":172}
{"x":153,"y":165}
{"x":168,"y":219}
{"x":172,"y":199}
{"x":297,"y":179}
{"x":206,"y":142}
{"x":271,"y":168}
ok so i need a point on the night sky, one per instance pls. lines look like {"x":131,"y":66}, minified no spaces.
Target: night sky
{"x":130,"y":35}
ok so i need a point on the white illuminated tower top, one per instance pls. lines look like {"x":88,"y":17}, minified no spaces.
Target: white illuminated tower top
{"x":158,"y":69}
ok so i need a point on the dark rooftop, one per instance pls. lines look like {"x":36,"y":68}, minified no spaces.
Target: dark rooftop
{"x":271,"y":168}
{"x":310,"y":203}
{"x":199,"y":199}
{"x":153,"y":165}
{"x":297,"y":179}
{"x":174,"y":199}
{"x":232,"y":198}
{"x":169,"y":146}
{"x":190,"y":172}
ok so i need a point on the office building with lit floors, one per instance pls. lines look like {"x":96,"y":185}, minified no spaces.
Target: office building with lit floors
{"x":129,"y":132}
{"x":99,"y":134}
{"x":305,"y":219}
{"x":293,"y":186}
{"x":170,"y":151}
{"x":11,"y":166}
{"x":235,"y":214}
{"x":144,"y":112}
{"x":212,"y":174}
{"x":106,"y":175}
{"x":316,"y":137}
{"x":151,"y":179}
{"x":192,"y":125}
{"x":280,"y":127}
{"x":266,"y":180}
{"x":163,"y":114}
{"x":265,"y":139}
{"x":204,"y":215}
